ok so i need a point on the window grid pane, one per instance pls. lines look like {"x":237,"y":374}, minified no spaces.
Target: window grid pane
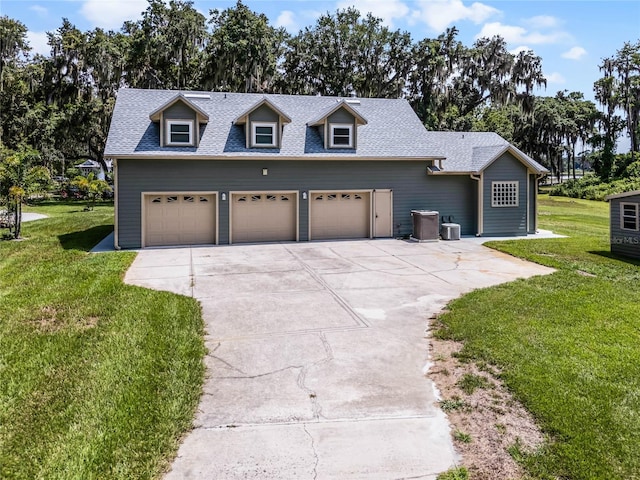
{"x":504,"y":194}
{"x":180,"y":133}
{"x":264,"y":135}
{"x":341,"y":136}
{"x":630,"y":220}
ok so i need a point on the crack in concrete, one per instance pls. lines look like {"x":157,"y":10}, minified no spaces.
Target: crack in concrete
{"x":260,"y":375}
{"x":228,"y":365}
{"x":315,"y":453}
{"x":232,"y":367}
{"x":192,"y":276}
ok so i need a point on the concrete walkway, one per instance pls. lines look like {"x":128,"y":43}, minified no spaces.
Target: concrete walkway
{"x":318,"y":354}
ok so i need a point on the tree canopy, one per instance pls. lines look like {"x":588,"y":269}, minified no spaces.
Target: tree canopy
{"x":61,"y":104}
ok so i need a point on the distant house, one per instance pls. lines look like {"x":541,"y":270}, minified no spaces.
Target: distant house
{"x":222,"y":168}
{"x":91,"y":166}
{"x":624,"y":222}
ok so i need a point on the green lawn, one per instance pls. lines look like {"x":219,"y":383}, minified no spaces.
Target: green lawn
{"x":568,"y":344}
{"x":98,"y":380}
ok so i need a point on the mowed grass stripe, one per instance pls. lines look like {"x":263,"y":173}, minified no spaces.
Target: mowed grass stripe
{"x":97,"y":379}
{"x":568,"y":344}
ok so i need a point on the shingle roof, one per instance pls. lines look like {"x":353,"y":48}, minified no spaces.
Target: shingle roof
{"x":475,"y":151}
{"x":393,"y":131}
{"x":342,"y":103}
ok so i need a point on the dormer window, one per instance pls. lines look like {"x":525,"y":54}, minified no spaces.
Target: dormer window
{"x":264,"y":134}
{"x":180,"y":132}
{"x":341,"y":135}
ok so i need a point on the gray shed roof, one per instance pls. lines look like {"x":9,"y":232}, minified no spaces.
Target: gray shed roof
{"x":393,"y":131}
{"x":622,"y":195}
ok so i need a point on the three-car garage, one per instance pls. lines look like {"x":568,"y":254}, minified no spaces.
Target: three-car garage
{"x":192,"y":218}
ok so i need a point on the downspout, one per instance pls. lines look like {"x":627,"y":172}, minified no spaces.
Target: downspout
{"x":478,"y":178}
{"x":539,"y":176}
{"x":115,"y":204}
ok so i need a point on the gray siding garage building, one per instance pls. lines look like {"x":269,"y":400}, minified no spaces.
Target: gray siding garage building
{"x":221,"y":168}
{"x":624,"y":221}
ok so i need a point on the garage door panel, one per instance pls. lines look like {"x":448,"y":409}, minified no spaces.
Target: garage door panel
{"x":180,"y":219}
{"x":337,"y":215}
{"x":264,"y":217}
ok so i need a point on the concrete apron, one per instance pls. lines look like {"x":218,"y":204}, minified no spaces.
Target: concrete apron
{"x":318,"y":354}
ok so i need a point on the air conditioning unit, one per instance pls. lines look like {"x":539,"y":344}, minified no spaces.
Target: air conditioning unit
{"x":450,"y":231}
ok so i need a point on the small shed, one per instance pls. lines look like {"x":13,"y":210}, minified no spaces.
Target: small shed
{"x":624,"y":221}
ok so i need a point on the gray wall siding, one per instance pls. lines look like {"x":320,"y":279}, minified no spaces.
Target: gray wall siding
{"x":623,"y":242}
{"x":180,"y":111}
{"x":263,"y":114}
{"x":505,"y":220}
{"x":412,"y":188}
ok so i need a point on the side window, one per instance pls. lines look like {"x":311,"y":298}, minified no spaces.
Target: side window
{"x":504,"y":194}
{"x":629,"y":216}
{"x":341,"y":135}
{"x":179,"y":132}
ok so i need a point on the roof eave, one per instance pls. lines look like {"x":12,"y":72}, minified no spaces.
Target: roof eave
{"x":524,"y":159}
{"x":613,"y":196}
{"x":242,"y":118}
{"x":360,"y":120}
{"x":254,"y":156}
{"x":203,"y":117}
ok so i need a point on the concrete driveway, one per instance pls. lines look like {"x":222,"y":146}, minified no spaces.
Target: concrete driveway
{"x":318,"y":354}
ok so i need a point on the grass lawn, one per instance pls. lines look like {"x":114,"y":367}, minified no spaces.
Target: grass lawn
{"x":98,"y":380}
{"x":568,"y":344}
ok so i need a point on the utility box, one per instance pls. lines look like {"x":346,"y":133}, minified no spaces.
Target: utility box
{"x":450,"y":231}
{"x":425,"y":225}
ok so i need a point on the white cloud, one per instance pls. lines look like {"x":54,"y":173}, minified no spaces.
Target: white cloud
{"x":112,"y":14}
{"x":387,"y":10}
{"x":287,"y":19}
{"x":543,"y":21}
{"x":440,"y":14}
{"x":38,"y":43}
{"x":556,"y":78}
{"x":574,"y":53}
{"x":514,"y":34}
{"x":40,"y":11}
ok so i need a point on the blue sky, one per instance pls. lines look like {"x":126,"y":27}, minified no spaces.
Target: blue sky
{"x":571,"y":36}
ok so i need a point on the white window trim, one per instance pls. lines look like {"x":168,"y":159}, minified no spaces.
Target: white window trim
{"x":332,"y":126}
{"x":637,"y":217}
{"x":274,"y":129}
{"x":494,"y":204}
{"x":170,"y":123}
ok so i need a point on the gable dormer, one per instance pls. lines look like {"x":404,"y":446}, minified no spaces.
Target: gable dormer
{"x":338,"y":126}
{"x":263,"y":125}
{"x":179,"y":120}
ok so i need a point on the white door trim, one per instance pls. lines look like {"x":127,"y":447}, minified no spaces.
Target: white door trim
{"x":262,"y":192}
{"x":143,"y":222}
{"x":341,"y":190}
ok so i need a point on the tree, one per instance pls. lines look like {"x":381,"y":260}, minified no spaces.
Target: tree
{"x":343,"y":54}
{"x":91,"y":187}
{"x":242,"y":52}
{"x":618,"y":90}
{"x":166,"y":46}
{"x":20,"y":177}
{"x":450,"y":81}
{"x":13,"y":44}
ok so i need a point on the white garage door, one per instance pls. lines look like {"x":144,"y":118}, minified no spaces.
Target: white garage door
{"x":336,"y":215}
{"x":263,"y":217}
{"x":180,"y":219}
